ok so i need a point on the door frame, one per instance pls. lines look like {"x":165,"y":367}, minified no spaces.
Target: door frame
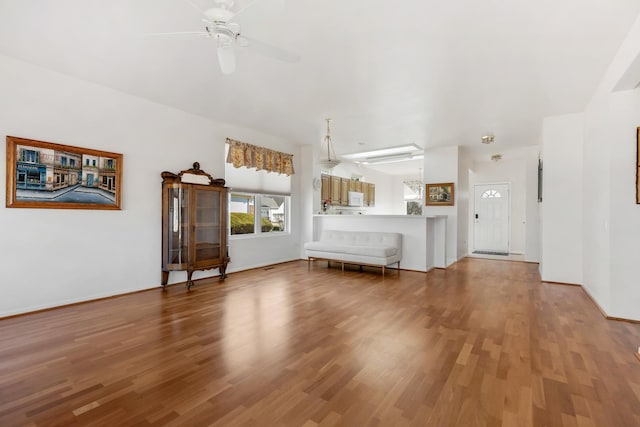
{"x":473,"y":213}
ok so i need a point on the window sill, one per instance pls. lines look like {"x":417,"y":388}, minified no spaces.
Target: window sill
{"x":259,"y":235}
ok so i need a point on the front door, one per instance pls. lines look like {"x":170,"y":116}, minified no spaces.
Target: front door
{"x":491,"y":218}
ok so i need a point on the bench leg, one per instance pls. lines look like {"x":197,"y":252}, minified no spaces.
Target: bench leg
{"x":398,"y":268}
{"x":383,"y":270}
{"x":342,"y":267}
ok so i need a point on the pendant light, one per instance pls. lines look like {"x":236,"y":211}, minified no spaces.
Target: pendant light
{"x":328,"y":158}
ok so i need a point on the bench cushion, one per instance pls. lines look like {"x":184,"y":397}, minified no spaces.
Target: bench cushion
{"x":366,"y":250}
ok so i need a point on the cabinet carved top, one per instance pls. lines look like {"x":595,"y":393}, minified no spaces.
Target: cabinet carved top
{"x":195,"y":175}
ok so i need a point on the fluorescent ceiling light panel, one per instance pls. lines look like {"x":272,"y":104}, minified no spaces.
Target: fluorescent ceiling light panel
{"x":405,"y":149}
{"x":389,"y":159}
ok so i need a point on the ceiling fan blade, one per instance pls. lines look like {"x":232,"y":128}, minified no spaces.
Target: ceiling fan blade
{"x":271,"y":51}
{"x":179,"y":33}
{"x":195,"y":6}
{"x":258,"y":8}
{"x":227,"y":59}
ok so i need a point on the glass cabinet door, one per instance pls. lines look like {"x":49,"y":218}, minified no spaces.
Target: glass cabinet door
{"x":207,"y":226}
{"x":177,"y":235}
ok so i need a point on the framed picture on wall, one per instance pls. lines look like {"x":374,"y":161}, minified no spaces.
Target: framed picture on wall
{"x":638,"y":166}
{"x":55,"y":176}
{"x":439,"y":194}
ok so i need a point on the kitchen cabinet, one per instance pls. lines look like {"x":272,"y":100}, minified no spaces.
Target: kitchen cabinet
{"x":344,"y":191}
{"x":325,"y":189}
{"x":369,"y":190}
{"x":335,"y":190}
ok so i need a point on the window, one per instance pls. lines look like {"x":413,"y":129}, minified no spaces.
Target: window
{"x":30,"y":156}
{"x":491,"y":194}
{"x":271,"y":214}
{"x":63,"y":161}
{"x":260,"y":203}
{"x":242,"y":213}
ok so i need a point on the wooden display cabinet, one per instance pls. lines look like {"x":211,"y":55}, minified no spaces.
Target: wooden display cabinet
{"x":194,"y":223}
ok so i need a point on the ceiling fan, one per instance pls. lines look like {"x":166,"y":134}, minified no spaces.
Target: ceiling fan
{"x":220,"y":24}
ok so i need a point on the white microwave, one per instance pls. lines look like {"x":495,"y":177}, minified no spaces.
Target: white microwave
{"x":356,"y":198}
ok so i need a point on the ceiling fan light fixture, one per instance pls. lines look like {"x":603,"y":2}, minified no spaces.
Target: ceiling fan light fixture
{"x":220,"y":24}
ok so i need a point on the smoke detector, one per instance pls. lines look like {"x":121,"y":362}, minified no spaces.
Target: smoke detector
{"x":487,"y":139}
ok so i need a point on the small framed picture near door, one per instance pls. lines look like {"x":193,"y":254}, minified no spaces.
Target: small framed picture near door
{"x":439,"y":194}
{"x":638,"y":166}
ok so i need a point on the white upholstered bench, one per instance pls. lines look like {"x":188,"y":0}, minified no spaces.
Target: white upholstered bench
{"x":357,"y":247}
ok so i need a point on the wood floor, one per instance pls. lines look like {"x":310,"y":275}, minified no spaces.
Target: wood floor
{"x":482,"y":343}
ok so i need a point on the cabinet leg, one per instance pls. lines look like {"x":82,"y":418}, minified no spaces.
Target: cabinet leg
{"x":189,"y":281}
{"x":223,"y":271}
{"x":165,"y":278}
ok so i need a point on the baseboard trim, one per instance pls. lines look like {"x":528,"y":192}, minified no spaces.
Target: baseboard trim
{"x":561,"y":283}
{"x":126,"y":293}
{"x":71,"y":304}
{"x":600,"y":309}
{"x":593,"y":300}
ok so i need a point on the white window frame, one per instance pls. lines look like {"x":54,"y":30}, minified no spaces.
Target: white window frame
{"x":257,"y":218}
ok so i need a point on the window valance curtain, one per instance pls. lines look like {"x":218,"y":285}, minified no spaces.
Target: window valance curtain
{"x":252,"y":156}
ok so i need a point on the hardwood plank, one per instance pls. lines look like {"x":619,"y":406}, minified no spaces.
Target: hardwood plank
{"x":482,"y":343}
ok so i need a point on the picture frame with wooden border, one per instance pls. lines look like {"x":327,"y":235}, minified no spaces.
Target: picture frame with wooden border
{"x":55,"y":176}
{"x":441,"y":194}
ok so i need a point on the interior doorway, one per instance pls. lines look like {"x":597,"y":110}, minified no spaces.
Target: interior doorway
{"x":491,"y":222}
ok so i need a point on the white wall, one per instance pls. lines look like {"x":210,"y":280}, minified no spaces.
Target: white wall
{"x":309,"y":198}
{"x":532,"y":208}
{"x":53,"y":257}
{"x":464,"y":196}
{"x":609,"y":218}
{"x":612,"y":218}
{"x":441,"y":165}
{"x":519,"y":168}
{"x":624,"y":222}
{"x":562,"y":199}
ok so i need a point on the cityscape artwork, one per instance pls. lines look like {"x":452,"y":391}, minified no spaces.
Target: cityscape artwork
{"x":47,"y":175}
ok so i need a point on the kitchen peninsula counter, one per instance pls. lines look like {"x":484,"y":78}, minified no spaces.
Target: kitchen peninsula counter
{"x":423,"y":237}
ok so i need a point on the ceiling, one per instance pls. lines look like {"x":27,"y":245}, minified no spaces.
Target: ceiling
{"x":427,"y":72}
